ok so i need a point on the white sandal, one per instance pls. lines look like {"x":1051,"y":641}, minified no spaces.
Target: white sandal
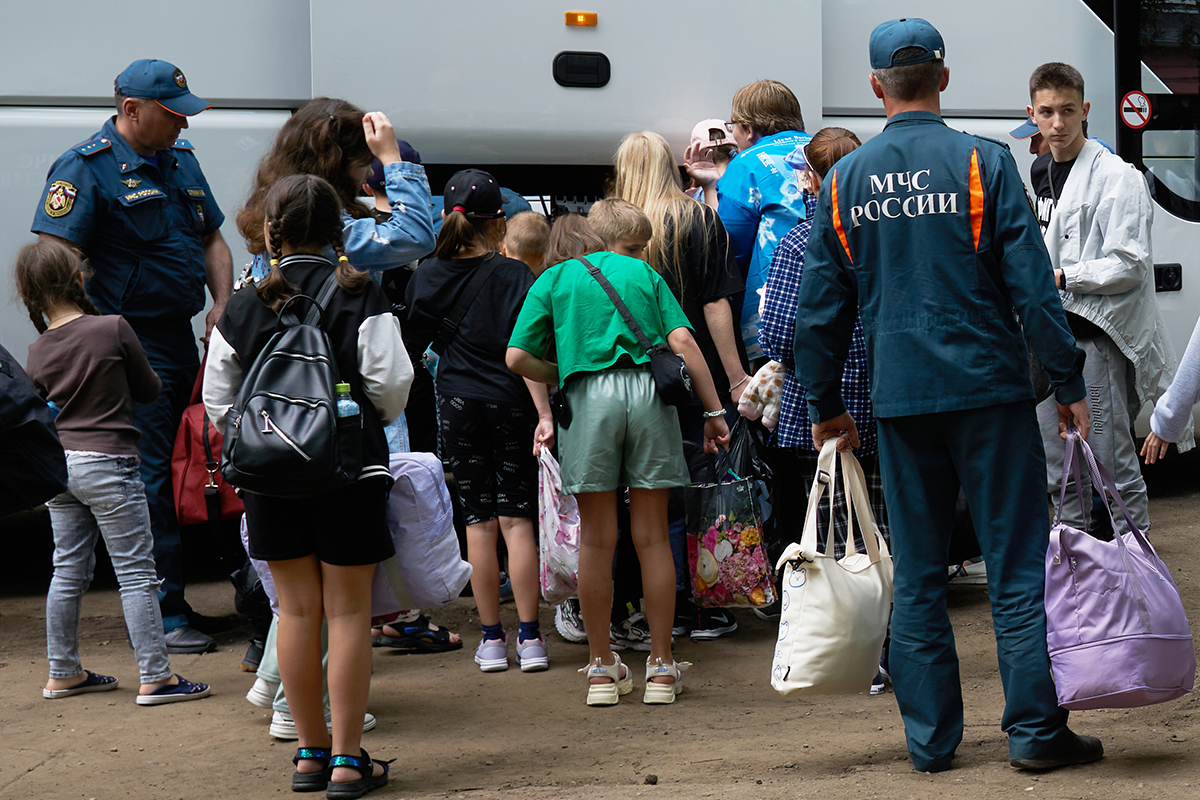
{"x":663,"y":692}
{"x":620,"y":681}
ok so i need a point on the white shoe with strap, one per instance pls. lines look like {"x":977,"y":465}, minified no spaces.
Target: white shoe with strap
{"x":620,"y":681}
{"x":661,"y":693}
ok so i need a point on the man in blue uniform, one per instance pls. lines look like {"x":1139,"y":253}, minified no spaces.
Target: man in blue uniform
{"x":927,"y":232}
{"x":133,"y":201}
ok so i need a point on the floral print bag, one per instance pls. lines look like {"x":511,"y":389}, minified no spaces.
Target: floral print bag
{"x":726,"y":557}
{"x":558,"y":533}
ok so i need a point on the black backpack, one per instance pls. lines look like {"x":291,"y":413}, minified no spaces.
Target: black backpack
{"x":33,"y":467}
{"x":283,"y":436}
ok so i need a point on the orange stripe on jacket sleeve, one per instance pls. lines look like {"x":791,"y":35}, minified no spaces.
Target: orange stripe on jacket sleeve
{"x":976,"y":199}
{"x":837,"y":217}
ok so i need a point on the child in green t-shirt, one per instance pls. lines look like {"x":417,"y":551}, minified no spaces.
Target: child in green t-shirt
{"x":621,"y":434}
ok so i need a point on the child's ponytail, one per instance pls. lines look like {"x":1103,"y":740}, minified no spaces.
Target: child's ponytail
{"x":48,"y":274}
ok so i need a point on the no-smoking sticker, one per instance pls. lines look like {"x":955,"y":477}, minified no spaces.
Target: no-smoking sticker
{"x":1135,"y":110}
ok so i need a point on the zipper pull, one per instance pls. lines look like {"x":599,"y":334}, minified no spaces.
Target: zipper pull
{"x":266,"y":428}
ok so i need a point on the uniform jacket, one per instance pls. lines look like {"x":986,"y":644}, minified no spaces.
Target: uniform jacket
{"x":928,"y":233}
{"x":140,"y":221}
{"x":1099,"y":236}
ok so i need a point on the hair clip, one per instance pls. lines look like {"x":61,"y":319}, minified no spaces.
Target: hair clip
{"x":343,"y":260}
{"x":274,"y":262}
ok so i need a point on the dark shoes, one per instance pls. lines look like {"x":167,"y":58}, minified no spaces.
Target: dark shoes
{"x":254,"y":654}
{"x":1084,"y":750}
{"x":186,"y":639}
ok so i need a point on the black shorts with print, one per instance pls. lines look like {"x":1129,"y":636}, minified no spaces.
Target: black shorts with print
{"x":489,"y":448}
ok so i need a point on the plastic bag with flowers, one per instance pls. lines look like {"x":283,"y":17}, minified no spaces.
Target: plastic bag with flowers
{"x":726,"y":559}
{"x":558,"y":533}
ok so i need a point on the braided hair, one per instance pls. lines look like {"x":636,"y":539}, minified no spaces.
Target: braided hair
{"x":303,"y":212}
{"x":47,"y":274}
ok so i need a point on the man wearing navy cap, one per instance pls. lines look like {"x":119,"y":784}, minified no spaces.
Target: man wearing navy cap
{"x":133,"y":201}
{"x":926,"y":232}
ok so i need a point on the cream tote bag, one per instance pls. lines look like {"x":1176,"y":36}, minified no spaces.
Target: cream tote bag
{"x":834,"y":612}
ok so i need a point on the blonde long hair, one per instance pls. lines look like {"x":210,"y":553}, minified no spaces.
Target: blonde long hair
{"x":648,"y":177}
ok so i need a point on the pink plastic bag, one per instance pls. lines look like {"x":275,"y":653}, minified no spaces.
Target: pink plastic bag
{"x":558,"y":529}
{"x":1115,"y":625}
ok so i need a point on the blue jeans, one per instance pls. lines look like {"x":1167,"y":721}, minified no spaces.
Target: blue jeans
{"x":104,"y":497}
{"x":171,"y":351}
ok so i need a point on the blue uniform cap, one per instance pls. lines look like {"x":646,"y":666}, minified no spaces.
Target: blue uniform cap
{"x":1024,"y":130}
{"x":898,"y":34}
{"x":161,"y":81}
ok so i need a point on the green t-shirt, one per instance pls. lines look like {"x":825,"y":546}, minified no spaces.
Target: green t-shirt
{"x":589,"y":334}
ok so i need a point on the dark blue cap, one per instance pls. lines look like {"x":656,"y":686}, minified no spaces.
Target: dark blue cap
{"x":407,"y":153}
{"x":1024,"y":130}
{"x":898,"y":34}
{"x":161,"y":81}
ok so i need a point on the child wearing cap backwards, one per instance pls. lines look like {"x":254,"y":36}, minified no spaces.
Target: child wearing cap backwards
{"x":706,"y":157}
{"x":623,"y":435}
{"x":489,"y":416}
{"x":526,"y":240}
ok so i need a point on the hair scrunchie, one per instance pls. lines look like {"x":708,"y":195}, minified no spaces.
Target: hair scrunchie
{"x":343,"y":260}
{"x":274,"y":262}
{"x":460,"y":209}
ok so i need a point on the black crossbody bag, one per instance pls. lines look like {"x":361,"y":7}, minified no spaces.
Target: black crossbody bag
{"x":671,"y":378}
{"x":449,"y":326}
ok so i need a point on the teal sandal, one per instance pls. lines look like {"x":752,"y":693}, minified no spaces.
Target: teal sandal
{"x":368,"y":782}
{"x":311,"y":781}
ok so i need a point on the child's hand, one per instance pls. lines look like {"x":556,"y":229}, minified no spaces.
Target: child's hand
{"x":716,"y":432}
{"x":381,"y":137}
{"x":1154,"y":448}
{"x":698,"y":161}
{"x":543,"y":435}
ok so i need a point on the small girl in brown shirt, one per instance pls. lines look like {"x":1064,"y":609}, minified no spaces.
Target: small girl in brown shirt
{"x":93,"y":369}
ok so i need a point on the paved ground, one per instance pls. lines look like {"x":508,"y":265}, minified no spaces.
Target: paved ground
{"x":457,"y":732}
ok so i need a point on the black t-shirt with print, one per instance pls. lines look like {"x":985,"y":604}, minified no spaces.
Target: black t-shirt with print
{"x":1048,"y":178}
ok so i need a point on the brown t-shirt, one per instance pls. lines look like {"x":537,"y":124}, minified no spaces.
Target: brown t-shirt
{"x":94,"y":368}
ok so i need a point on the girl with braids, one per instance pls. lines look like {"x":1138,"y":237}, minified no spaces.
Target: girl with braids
{"x":488,"y":415}
{"x":335,"y":140}
{"x":323,"y":549}
{"x":93,"y":369}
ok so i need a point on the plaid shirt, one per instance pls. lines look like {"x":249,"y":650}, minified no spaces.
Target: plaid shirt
{"x":776,"y":337}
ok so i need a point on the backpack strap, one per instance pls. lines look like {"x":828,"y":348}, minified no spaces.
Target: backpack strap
{"x":449,"y":326}
{"x":622,"y":309}
{"x":316,"y":307}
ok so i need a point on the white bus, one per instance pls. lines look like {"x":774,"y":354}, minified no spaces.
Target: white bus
{"x":527,"y":92}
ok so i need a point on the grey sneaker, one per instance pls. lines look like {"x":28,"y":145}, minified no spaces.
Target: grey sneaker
{"x":492,"y":655}
{"x":532,"y":656}
{"x":568,"y":620}
{"x":283,"y":727}
{"x":631,"y":634}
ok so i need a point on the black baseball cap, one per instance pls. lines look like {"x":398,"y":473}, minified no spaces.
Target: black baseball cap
{"x":474,"y":193}
{"x":407,"y":153}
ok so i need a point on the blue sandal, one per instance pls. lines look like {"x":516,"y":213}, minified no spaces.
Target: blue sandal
{"x":368,"y":782}
{"x":311,"y":781}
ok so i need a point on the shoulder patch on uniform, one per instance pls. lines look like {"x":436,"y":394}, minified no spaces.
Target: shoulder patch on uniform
{"x":60,"y":198}
{"x":993,"y":141}
{"x":92,"y":147}
{"x":182,"y":144}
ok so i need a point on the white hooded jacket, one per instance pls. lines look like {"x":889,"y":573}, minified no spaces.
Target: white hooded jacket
{"x":1099,"y":236}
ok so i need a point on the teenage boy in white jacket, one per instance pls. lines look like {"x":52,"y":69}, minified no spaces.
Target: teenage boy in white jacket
{"x":1098,"y":235}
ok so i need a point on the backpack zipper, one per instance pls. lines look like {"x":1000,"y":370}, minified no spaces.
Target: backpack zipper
{"x":269,"y":427}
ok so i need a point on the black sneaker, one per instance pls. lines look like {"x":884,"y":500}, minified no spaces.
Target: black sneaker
{"x":1084,"y":750}
{"x":713,"y":623}
{"x":254,"y":654}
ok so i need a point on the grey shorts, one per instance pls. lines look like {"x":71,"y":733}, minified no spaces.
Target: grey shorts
{"x":621,"y":434}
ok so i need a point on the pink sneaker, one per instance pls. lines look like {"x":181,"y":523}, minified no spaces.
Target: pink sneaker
{"x":532,"y":656}
{"x":492,"y":655}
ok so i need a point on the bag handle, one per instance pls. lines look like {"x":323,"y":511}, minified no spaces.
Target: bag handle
{"x":449,"y":327}
{"x":316,"y":311}
{"x":622,"y":309}
{"x":859,"y":506}
{"x":826,"y":471}
{"x":1108,"y":487}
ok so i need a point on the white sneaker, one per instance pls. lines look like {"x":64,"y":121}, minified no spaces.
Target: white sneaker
{"x":262,"y":693}
{"x":968,"y":573}
{"x":284,"y":728}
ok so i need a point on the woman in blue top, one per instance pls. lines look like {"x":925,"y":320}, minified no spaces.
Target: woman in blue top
{"x":335,"y":140}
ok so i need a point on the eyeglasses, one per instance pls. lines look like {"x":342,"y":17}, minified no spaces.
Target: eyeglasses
{"x":729,"y":125}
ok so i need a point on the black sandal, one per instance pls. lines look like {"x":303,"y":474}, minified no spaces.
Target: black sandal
{"x":417,"y":637}
{"x":311,"y":781}
{"x":368,"y":782}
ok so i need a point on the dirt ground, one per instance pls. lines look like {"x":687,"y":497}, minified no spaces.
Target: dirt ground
{"x":455,"y":731}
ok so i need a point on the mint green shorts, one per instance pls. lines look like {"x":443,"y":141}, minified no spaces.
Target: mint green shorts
{"x":621,"y":434}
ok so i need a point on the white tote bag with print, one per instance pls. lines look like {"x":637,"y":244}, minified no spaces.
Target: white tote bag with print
{"x":834,"y":611}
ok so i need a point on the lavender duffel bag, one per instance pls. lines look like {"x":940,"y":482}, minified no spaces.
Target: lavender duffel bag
{"x":1115,"y":626}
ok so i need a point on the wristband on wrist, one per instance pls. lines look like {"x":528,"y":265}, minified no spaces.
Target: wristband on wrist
{"x":739,"y":383}
{"x":714,"y":414}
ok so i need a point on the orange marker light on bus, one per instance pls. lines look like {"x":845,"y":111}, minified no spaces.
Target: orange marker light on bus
{"x":585,"y":19}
